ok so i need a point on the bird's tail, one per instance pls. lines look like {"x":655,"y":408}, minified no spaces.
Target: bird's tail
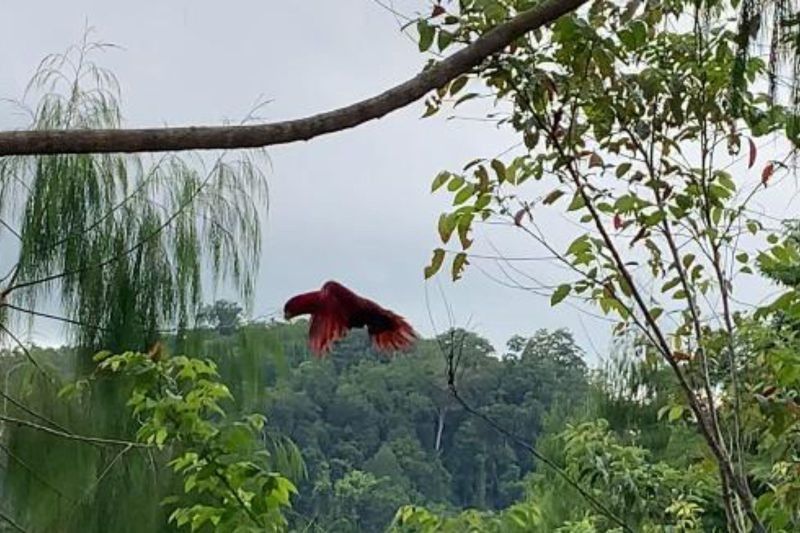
{"x":399,"y":337}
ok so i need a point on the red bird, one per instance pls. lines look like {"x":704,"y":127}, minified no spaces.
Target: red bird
{"x":334,"y":309}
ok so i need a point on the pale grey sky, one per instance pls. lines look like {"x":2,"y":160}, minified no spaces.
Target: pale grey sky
{"x":354,"y":206}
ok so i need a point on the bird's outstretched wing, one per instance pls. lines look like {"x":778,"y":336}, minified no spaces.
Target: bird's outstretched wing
{"x":327,"y":326}
{"x":388,"y":330}
{"x":399,"y":337}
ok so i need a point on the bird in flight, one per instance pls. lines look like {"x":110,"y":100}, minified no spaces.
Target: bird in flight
{"x":335,"y":309}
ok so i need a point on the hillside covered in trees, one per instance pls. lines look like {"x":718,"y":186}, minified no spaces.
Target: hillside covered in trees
{"x":370,"y":434}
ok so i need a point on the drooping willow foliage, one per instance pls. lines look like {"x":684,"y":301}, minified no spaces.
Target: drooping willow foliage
{"x":123,"y":241}
{"x":117,"y":248}
{"x":771,"y":29}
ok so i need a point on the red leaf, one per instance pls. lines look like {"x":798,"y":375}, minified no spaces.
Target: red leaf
{"x":617,"y":221}
{"x":681,"y":356}
{"x":518,"y":216}
{"x":437,"y":10}
{"x":753,"y":153}
{"x":766,"y":174}
{"x":156,"y":351}
{"x":769,"y":391}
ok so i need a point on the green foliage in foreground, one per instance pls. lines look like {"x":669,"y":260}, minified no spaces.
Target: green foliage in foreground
{"x":228,"y":479}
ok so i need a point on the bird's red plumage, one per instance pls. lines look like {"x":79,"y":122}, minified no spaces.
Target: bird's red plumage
{"x":335,"y":309}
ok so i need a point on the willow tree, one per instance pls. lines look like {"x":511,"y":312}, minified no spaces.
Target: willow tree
{"x":117,"y":249}
{"x":771,"y":29}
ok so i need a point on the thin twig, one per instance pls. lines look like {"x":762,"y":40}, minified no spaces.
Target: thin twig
{"x":30,"y":411}
{"x":14,"y":457}
{"x":11,"y":522}
{"x":11,"y":230}
{"x":72,"y":436}
{"x":54,"y":317}
{"x":25,"y":350}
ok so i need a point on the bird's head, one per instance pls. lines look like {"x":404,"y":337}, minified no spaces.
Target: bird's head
{"x":296,"y":306}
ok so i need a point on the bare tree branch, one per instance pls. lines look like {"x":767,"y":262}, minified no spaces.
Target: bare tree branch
{"x":34,"y":474}
{"x":72,"y":436}
{"x":22,"y":347}
{"x":10,"y":522}
{"x":231,"y":137}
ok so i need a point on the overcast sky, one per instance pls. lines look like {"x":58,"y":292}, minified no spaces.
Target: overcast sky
{"x":354,"y":206}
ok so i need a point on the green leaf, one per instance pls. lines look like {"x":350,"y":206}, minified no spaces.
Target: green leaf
{"x":625,"y":203}
{"x":577,"y":202}
{"x":426,"y":34}
{"x":622,"y":169}
{"x":671,"y":284}
{"x":495,"y":11}
{"x":465,"y":98}
{"x":464,"y":224}
{"x":447,"y":223}
{"x":440,"y":180}
{"x":553,"y":196}
{"x":444,"y":39}
{"x":560,"y":293}
{"x":464,"y":194}
{"x":675,"y":412}
{"x":483,"y":201}
{"x":579,"y":245}
{"x":726,"y":181}
{"x":455,"y":183}
{"x":99,"y":356}
{"x":436,"y":263}
{"x":161,"y":436}
{"x":459,"y":263}
{"x":499,"y":169}
{"x":653,"y":219}
{"x":67,"y":390}
{"x":639,"y":29}
{"x":458,"y":84}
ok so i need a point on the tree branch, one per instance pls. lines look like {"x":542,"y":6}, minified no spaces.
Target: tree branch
{"x":72,"y":436}
{"x":21,"y":346}
{"x":231,"y":137}
{"x":10,"y":521}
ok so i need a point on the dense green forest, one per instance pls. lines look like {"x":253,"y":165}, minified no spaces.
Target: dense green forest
{"x":655,"y":140}
{"x":376,"y":433}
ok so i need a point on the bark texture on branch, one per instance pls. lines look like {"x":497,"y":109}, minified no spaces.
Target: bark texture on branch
{"x":231,"y":137}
